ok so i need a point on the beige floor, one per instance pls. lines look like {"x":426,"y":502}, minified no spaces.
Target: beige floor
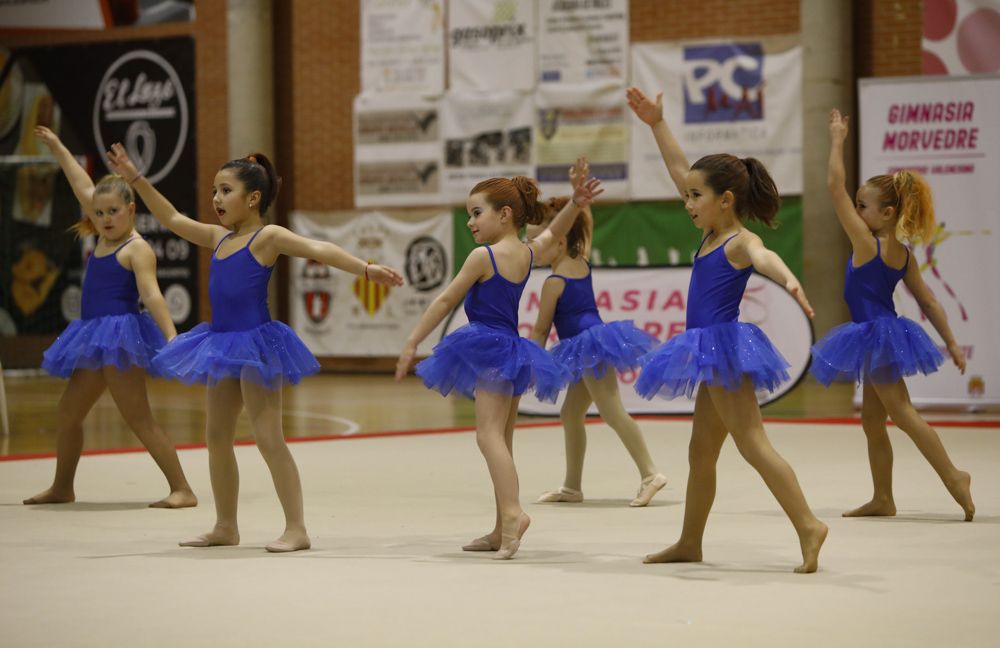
{"x":387,"y":516}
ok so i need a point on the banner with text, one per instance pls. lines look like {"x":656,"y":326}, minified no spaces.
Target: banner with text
{"x":402,"y":46}
{"x":946,"y":129}
{"x":714,"y":101}
{"x":582,"y":41}
{"x":340,"y":314}
{"x":491,"y":45}
{"x":656,"y":301}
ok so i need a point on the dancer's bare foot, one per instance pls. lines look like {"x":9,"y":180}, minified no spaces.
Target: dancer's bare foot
{"x":177,"y":499}
{"x":561,"y":494}
{"x":290,"y":541}
{"x":961,"y":490}
{"x":650,"y":486}
{"x":217,"y":537}
{"x":488,"y":542}
{"x":878,"y":507}
{"x":674,"y":553}
{"x":512,"y":542}
{"x":811,"y":541}
{"x":52,"y":496}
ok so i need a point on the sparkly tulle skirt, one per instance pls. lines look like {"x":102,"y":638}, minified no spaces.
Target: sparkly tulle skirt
{"x":721,"y":354}
{"x":884,"y":350}
{"x":122,"y":341}
{"x":592,"y":351}
{"x":476,"y":356}
{"x":270,"y":354}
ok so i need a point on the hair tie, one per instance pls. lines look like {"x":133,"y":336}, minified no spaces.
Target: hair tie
{"x":252,"y":159}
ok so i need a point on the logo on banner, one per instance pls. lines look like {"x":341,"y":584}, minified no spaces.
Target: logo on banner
{"x":141,"y":103}
{"x":503,"y":32}
{"x":425,"y":263}
{"x":723,"y":83}
{"x":317,"y":298}
{"x":370,"y":294}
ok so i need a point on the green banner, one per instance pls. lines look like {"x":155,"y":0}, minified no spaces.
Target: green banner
{"x":659,"y":234}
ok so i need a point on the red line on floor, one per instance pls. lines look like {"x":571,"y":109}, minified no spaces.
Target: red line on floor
{"x":471,"y":428}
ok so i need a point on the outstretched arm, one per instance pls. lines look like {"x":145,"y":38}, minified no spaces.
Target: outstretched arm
{"x":583,"y":195}
{"x":772,"y":266}
{"x":577,"y":176}
{"x":861,"y":237}
{"x":79,"y":180}
{"x":476,"y":265}
{"x":552,"y":289}
{"x":652,"y":114}
{"x":144,"y":267}
{"x":284,"y":241}
{"x":201,"y":234}
{"x":932,"y":309}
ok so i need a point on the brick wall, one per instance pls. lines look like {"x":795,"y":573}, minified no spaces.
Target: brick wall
{"x":887,"y":37}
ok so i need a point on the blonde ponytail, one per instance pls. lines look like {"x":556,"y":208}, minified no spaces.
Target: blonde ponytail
{"x":916,"y":207}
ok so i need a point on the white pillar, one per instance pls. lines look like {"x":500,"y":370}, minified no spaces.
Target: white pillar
{"x":251,"y":77}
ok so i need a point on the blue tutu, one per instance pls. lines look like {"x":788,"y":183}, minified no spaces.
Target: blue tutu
{"x":122,"y":341}
{"x":883,"y":349}
{"x":269,"y":354}
{"x":477,"y":355}
{"x":616,"y":344}
{"x":720,"y":354}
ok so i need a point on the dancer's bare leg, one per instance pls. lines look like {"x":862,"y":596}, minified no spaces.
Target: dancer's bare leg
{"x":573,"y":416}
{"x":493,"y":412}
{"x":263,"y":406}
{"x":491,"y":541}
{"x":605,"y":393}
{"x":224,"y":402}
{"x":128,"y":388}
{"x":707,"y":436}
{"x":740,"y":413}
{"x":897,"y":403}
{"x":82,"y":391}
{"x":873,"y":417}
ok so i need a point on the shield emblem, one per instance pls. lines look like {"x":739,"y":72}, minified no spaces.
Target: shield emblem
{"x":318,"y":305}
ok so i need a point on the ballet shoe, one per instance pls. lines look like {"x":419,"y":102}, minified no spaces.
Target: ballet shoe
{"x":480,"y":544}
{"x":511,"y":543}
{"x":649,"y":487}
{"x":563,"y":494}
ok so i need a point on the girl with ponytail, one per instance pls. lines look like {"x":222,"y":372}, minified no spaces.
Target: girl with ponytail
{"x":721,"y":361}
{"x":487,"y":360}
{"x":243,"y":356}
{"x":112,"y":345}
{"x":879,"y":348}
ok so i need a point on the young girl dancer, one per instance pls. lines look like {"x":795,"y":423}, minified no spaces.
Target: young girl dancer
{"x":722,"y":359}
{"x":591,"y":351}
{"x":243,"y":355}
{"x":877,"y":347}
{"x":487,"y":360}
{"x":112,"y":345}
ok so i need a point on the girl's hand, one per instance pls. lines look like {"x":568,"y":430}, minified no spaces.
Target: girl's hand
{"x":120,"y":164}
{"x":579,"y":172}
{"x":405,"y":360}
{"x":586,"y":192}
{"x":794,"y":288}
{"x":838,"y":125}
{"x":383,"y":275}
{"x":47,"y":137}
{"x":957,"y":356}
{"x":647,"y":111}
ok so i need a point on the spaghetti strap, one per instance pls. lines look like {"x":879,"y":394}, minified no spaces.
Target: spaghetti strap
{"x":117,"y":249}
{"x":730,"y":238}
{"x":493,"y":260}
{"x":556,"y":276}
{"x":531,"y":263}
{"x":220,"y":242}
{"x":907,"y":264}
{"x":254,"y":236}
{"x":700,"y":245}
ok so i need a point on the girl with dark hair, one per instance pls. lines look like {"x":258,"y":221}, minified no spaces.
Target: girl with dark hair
{"x":722,"y":360}
{"x":591,"y":350}
{"x":112,"y":345}
{"x":878,"y":348}
{"x":487,"y":360}
{"x":243,"y":356}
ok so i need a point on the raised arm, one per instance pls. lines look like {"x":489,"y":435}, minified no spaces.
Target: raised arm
{"x":861,"y":237}
{"x":932,"y":309}
{"x":583,"y":195}
{"x":201,"y":234}
{"x":577,"y":176}
{"x":143,"y":261}
{"x":79,"y":179}
{"x":772,"y":266}
{"x":476,"y":266}
{"x":552,"y":290}
{"x":652,"y":114}
{"x":284,"y":241}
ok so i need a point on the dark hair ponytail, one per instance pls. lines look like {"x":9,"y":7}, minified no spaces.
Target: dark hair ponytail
{"x":752,"y":187}
{"x":257,"y":173}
